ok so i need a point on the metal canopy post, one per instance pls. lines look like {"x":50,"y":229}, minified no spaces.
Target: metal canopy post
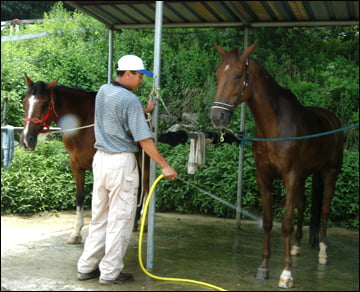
{"x":157,"y":56}
{"x":241,"y":147}
{"x":110,"y":53}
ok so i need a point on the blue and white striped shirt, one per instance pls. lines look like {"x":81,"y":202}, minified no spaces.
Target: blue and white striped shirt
{"x":119,"y":120}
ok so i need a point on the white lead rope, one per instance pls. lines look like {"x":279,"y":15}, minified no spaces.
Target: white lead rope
{"x":74,"y":129}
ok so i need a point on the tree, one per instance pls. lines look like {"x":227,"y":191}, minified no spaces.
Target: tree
{"x":26,"y":9}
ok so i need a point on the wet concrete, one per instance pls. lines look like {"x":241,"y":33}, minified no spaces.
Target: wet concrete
{"x":35,"y":256}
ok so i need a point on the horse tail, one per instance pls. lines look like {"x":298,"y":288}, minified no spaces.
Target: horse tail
{"x":316,"y":204}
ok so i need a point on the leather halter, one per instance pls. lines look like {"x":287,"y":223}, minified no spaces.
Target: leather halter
{"x":231,"y":107}
{"x":51,"y":109}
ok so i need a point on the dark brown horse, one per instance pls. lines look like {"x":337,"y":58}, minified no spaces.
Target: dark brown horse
{"x":278,"y":114}
{"x":69,"y":108}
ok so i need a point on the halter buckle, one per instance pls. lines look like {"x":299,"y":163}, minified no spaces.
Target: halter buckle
{"x":222,"y":134}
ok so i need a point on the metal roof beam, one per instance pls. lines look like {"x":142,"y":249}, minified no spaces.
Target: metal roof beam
{"x":181,"y":25}
{"x":305,"y":23}
{"x":238,"y":24}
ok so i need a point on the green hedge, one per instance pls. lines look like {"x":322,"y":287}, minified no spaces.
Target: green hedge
{"x":42,"y":181}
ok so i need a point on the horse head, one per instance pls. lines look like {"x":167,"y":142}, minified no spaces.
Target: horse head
{"x":39,"y":111}
{"x":233,"y":86}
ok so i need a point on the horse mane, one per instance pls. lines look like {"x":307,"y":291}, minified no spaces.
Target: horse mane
{"x":76,"y":93}
{"x":75,"y":88}
{"x":37,"y":87}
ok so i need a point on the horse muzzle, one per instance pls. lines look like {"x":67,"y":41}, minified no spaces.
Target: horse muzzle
{"x":220,"y":118}
{"x":29,"y":142}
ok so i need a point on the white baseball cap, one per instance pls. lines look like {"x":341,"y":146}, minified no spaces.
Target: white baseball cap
{"x":132,"y":63}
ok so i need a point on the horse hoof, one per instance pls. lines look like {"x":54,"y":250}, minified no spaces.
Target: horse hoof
{"x":262,"y":274}
{"x":286,"y":281}
{"x":295,"y":250}
{"x":74,"y":240}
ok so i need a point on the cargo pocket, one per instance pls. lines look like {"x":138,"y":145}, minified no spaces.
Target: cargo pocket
{"x":128,"y":196}
{"x":131,"y":182}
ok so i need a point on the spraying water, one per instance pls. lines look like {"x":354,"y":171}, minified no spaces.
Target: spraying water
{"x":244,"y":212}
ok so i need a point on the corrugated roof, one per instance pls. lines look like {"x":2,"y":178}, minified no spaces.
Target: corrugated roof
{"x":141,"y":14}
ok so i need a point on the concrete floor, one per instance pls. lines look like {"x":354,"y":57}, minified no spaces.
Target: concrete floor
{"x":35,"y":256}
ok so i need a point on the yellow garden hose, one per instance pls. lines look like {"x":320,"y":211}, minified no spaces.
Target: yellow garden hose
{"x":143,"y":218}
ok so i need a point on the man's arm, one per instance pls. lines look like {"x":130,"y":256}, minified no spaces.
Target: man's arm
{"x":150,"y":148}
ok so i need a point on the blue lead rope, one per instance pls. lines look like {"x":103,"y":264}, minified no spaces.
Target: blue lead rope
{"x":7,"y":145}
{"x":243,"y":138}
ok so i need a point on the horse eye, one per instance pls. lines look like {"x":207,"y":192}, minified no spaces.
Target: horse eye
{"x":238,"y":76}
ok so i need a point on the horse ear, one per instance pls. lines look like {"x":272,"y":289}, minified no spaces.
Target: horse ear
{"x":52,"y":84}
{"x":220,"y":49}
{"x":28,"y":81}
{"x":249,"y":50}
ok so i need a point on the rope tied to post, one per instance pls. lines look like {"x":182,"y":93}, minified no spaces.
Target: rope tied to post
{"x":243,"y":138}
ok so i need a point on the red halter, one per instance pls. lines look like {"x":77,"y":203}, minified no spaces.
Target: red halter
{"x":43,"y":121}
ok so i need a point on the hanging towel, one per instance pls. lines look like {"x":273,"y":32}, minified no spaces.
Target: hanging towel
{"x":191,"y":163}
{"x":7,"y":145}
{"x":200,"y":149}
{"x":197,"y":152}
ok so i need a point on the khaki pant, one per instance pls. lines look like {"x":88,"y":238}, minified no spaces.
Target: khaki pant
{"x":114,"y":200}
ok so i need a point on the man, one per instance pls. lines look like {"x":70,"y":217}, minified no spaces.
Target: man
{"x":120,"y":126}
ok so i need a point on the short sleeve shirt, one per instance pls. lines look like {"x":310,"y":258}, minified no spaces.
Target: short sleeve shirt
{"x":119,"y":120}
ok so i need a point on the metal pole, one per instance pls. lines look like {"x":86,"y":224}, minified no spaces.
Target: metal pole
{"x":110,"y":55}
{"x":151,"y":213}
{"x":4,"y":117}
{"x":241,"y":148}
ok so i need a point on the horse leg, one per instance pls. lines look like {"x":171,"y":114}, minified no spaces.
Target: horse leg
{"x":141,"y":200}
{"x":146,"y":184}
{"x":79,"y":175}
{"x":294,"y":187}
{"x":144,"y":170}
{"x":329,"y":190}
{"x":265,"y":188}
{"x":138,"y":212}
{"x":300,"y":205}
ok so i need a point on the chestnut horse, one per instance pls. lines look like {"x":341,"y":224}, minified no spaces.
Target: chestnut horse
{"x":46,"y":103}
{"x":278,"y":114}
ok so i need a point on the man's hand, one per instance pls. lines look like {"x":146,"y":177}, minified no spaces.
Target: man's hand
{"x":151,"y":103}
